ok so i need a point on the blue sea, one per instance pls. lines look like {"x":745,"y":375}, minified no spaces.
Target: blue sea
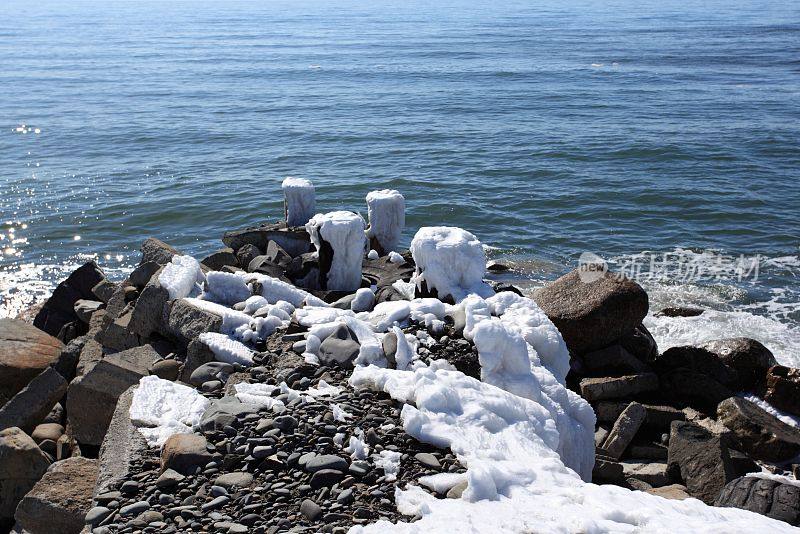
{"x":663,"y":136}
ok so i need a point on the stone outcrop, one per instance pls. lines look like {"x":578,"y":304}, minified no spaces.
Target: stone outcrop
{"x":702,"y":459}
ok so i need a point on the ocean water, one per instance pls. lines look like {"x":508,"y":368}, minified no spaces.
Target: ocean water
{"x":663,"y":136}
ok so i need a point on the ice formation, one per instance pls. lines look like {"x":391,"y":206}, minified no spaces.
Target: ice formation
{"x":343,"y":231}
{"x":387,"y":218}
{"x":225,"y":288}
{"x":449,"y":260}
{"x":227,"y":349}
{"x":299,"y":202}
{"x":259,"y":394}
{"x":275,"y":291}
{"x":181,"y":276}
{"x":516,"y":480}
{"x":373,"y":254}
{"x":161,"y":408}
{"x":389,"y":461}
{"x":396,"y":257}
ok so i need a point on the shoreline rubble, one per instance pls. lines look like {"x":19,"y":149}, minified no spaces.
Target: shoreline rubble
{"x":312,"y":378}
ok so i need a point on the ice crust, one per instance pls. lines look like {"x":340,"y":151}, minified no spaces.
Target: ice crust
{"x":516,"y":480}
{"x":275,"y":290}
{"x":344,"y":232}
{"x":161,"y":408}
{"x":449,"y":260}
{"x":227,"y":348}
{"x":299,"y":198}
{"x":387,"y":217}
{"x":181,"y":276}
{"x":225,"y":288}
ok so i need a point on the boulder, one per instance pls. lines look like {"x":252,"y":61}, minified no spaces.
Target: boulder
{"x":122,"y":449}
{"x":679,"y":311}
{"x":197,"y":354}
{"x":219,"y":259}
{"x":595,"y":314}
{"x":607,"y":470}
{"x":104,"y":290}
{"x":340,"y":348}
{"x":166,"y":369}
{"x":184,"y":453}
{"x":117,"y":334}
{"x":757,"y":432}
{"x":60,"y":307}
{"x":149,"y":312}
{"x":295,"y":241}
{"x":84,"y":309}
{"x":613,"y":359}
{"x":60,"y":500}
{"x":593,"y":389}
{"x":246,"y":254}
{"x":187,"y":322}
{"x":684,"y":387}
{"x":142,"y":274}
{"x":277,"y":255}
{"x":92,"y":398}
{"x":624,"y":430}
{"x":224,"y":412}
{"x":22,"y":464}
{"x":25,"y":351}
{"x":92,"y":350}
{"x":156,"y":251}
{"x":210,"y":371}
{"x":51,"y":431}
{"x":702,"y":458}
{"x":653,"y":473}
{"x":32,"y":404}
{"x":783,"y":388}
{"x":67,"y":361}
{"x":263,"y":265}
{"x":739,"y":364}
{"x":772,"y":498}
{"x":640,"y":343}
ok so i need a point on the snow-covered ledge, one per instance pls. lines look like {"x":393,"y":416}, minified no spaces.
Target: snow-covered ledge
{"x":341,"y":243}
{"x":387,"y":218}
{"x":299,"y":202}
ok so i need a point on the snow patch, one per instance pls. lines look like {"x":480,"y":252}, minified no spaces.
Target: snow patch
{"x":164,"y":408}
{"x":275,"y":290}
{"x":227,"y":349}
{"x":181,"y":276}
{"x":225,"y":288}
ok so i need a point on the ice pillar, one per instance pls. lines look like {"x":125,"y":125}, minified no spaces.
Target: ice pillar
{"x":341,"y":242}
{"x":387,"y":217}
{"x":298,"y":200}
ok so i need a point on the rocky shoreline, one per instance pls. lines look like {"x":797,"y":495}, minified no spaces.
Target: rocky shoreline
{"x":230,"y":394}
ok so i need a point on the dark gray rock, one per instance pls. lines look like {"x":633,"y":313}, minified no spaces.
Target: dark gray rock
{"x":84,"y":309}
{"x":771,"y":498}
{"x":142,"y":274}
{"x":685,"y":387}
{"x":624,"y":430}
{"x":166,"y":369}
{"x":702,"y":458}
{"x":613,"y":358}
{"x":30,"y":406}
{"x":229,"y":481}
{"x":210,"y":371}
{"x":783,"y":388}
{"x":246,"y":254}
{"x":223,"y":412}
{"x":60,"y":307}
{"x":156,"y":251}
{"x":326,"y":462}
{"x":758,"y":433}
{"x":184,"y":453}
{"x":310,"y":510}
{"x":340,"y":348}
{"x":187,"y":322}
{"x":219,"y":259}
{"x":593,"y":389}
{"x":150,"y":311}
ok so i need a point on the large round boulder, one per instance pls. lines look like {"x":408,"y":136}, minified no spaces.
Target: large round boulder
{"x":25,"y":351}
{"x":595,"y":313}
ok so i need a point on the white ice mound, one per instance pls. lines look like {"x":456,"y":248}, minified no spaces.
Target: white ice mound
{"x":226,"y":288}
{"x":387,"y":217}
{"x":517,"y":483}
{"x":275,"y":291}
{"x":227,"y":349}
{"x":449,"y":260}
{"x":344,"y":232}
{"x":299,"y":200}
{"x":181,"y":276}
{"x":162,"y":408}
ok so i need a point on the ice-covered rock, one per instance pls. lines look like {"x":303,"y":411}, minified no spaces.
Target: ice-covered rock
{"x":450,"y":261}
{"x":387,"y":218}
{"x":341,"y":244}
{"x":227,"y":349}
{"x":299,"y":200}
{"x":363,"y":301}
{"x":275,"y":291}
{"x":225,"y":288}
{"x":162,"y":408}
{"x":181,"y":277}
